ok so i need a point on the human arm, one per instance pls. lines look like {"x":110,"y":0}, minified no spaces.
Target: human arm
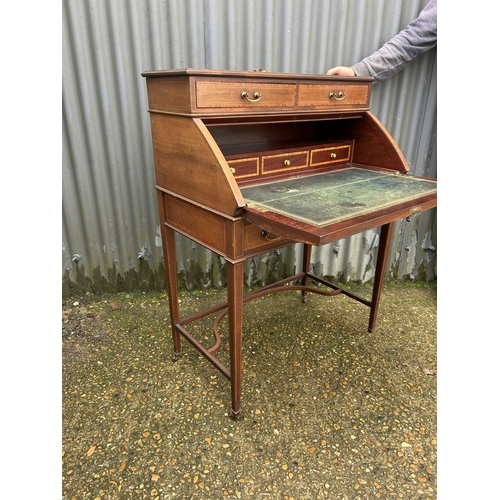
{"x":418,"y":37}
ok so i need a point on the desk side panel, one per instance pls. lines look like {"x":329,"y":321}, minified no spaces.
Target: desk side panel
{"x":189,"y":162}
{"x":373,"y":146}
{"x":169,"y":94}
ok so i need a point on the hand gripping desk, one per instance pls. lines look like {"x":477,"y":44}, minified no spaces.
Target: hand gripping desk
{"x":250,"y":162}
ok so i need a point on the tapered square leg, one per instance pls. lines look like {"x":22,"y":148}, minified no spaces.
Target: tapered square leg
{"x":235,"y":318}
{"x":306,"y":262}
{"x":382,"y":254}
{"x":168,"y":241}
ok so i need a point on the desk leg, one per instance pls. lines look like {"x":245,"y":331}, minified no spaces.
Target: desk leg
{"x":306,"y":262}
{"x":168,"y":241}
{"x":382,"y":254}
{"x":235,"y":318}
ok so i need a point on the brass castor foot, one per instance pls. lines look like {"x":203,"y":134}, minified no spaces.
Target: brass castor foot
{"x":176,"y":356}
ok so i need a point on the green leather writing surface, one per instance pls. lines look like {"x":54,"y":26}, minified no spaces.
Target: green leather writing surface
{"x":325,"y":198}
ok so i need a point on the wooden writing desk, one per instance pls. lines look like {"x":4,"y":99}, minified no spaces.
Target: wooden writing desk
{"x":249,"y":162}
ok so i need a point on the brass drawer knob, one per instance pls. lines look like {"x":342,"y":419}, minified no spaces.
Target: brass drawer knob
{"x":287,"y":162}
{"x":333,"y":155}
{"x":233,"y":170}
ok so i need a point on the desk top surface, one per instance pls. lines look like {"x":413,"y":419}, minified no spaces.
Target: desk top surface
{"x":327,"y":198}
{"x":255,"y":74}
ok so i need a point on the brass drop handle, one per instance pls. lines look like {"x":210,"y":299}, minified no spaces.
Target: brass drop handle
{"x":333,"y":155}
{"x":256,"y":97}
{"x":269,"y":237}
{"x":286,"y":162}
{"x":338,"y":97}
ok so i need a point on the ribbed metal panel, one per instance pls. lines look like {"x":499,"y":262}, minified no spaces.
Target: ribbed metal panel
{"x":110,"y":222}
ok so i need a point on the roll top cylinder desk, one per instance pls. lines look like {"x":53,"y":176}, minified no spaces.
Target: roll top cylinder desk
{"x":248,"y":162}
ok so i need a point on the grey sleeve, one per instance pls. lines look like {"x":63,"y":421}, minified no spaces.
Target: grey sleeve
{"x":418,"y":37}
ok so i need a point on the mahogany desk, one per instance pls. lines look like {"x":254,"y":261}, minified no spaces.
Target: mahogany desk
{"x":250,"y":162}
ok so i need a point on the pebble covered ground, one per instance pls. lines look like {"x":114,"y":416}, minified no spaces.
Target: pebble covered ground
{"x":329,"y":411}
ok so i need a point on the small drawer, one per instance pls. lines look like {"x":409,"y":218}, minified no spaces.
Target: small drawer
{"x":335,"y":95}
{"x":245,"y":167}
{"x":239,"y":96}
{"x":256,"y":237}
{"x":329,"y":156}
{"x":272,"y":164}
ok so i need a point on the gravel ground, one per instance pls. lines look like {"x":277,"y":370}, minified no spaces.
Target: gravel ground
{"x":328,"y":410}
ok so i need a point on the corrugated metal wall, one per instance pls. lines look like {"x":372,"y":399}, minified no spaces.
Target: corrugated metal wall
{"x":110,"y":224}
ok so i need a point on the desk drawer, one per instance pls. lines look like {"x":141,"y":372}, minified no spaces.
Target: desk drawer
{"x":330,"y":156}
{"x":239,"y":96}
{"x":256,"y":238}
{"x":245,"y":167}
{"x":272,"y":164}
{"x":341,"y":95}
